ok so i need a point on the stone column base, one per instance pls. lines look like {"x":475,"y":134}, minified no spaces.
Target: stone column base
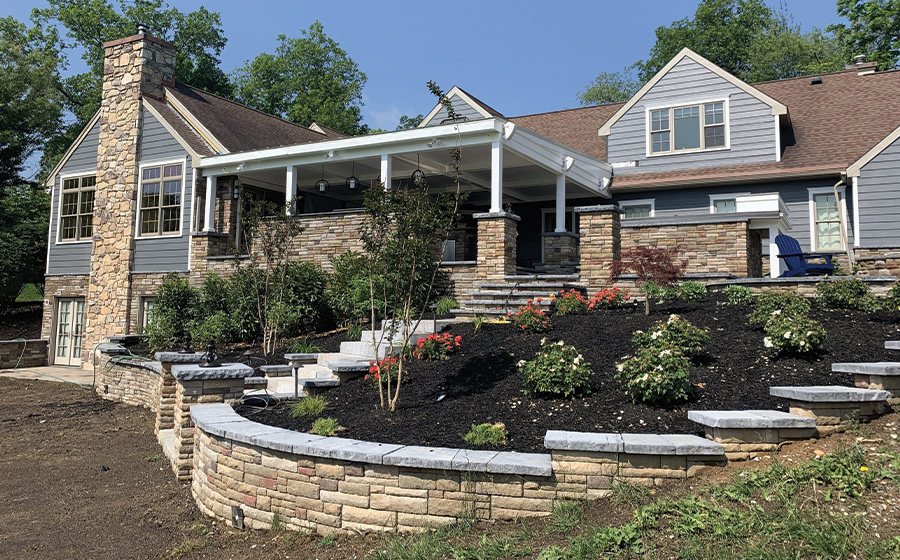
{"x":496,"y":245}
{"x":601,"y":242}
{"x":560,"y":252}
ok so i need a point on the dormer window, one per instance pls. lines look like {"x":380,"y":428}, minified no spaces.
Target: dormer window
{"x":687,"y":128}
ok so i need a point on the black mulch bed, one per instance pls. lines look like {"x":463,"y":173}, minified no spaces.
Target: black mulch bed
{"x":482,"y":384}
{"x":23,"y":321}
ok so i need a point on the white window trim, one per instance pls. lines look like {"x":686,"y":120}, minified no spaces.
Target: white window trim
{"x":137,"y":217}
{"x":62,"y":178}
{"x":639,"y":202}
{"x":648,"y":145}
{"x":713,"y":198}
{"x":552,"y":210}
{"x":856,"y":225}
{"x":842,"y":210}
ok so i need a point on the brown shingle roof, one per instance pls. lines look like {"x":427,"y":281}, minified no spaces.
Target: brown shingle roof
{"x":184,"y":130}
{"x":493,"y":112}
{"x":237,"y":127}
{"x":576,"y":128}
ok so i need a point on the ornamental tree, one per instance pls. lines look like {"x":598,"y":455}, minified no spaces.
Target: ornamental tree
{"x":654,"y":267}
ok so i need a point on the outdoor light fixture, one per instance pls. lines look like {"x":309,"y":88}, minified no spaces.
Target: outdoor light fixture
{"x":418,"y":175}
{"x":236,"y":193}
{"x":322,"y":184}
{"x":352,"y":181}
{"x":210,"y":357}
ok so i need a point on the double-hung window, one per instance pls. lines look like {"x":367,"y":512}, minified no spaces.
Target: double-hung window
{"x":76,"y":209}
{"x":636,"y":209}
{"x":161,"y":200}
{"x":827,"y":222}
{"x":694,"y":127}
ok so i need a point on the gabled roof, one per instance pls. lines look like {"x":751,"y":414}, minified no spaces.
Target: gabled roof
{"x":48,"y":182}
{"x":456,"y":91}
{"x":178,"y":128}
{"x":855,"y":169}
{"x":777,"y":108}
{"x":573,"y":127}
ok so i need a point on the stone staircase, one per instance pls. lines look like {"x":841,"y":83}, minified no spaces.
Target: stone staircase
{"x":500,"y":298}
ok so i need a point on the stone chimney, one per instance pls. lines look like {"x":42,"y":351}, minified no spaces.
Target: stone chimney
{"x":860,"y":66}
{"x":134,"y":68}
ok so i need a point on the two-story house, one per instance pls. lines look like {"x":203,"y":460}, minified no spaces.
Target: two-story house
{"x":697,"y":159}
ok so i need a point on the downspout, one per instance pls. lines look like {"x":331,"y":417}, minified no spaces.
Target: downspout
{"x":842,"y":218}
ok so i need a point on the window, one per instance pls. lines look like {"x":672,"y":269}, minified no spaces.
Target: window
{"x":695,"y":127}
{"x":725,"y":206}
{"x":161,"y":200}
{"x":550,"y":220}
{"x":147,"y":304}
{"x":636,"y":209}
{"x":76,"y":209}
{"x":826,"y":221}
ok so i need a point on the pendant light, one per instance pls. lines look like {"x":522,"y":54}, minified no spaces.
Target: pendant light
{"x":322,"y":184}
{"x":418,"y":175}
{"x":352,"y":181}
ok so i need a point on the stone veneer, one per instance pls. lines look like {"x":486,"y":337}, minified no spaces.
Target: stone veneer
{"x":879,"y":261}
{"x":461,"y":279}
{"x":600,"y":238}
{"x":560,"y":252}
{"x":134,"y":67}
{"x":23,"y":353}
{"x":69,"y":285}
{"x":496,"y":253}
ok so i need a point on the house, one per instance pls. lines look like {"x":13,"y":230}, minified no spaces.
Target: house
{"x":696,"y":159}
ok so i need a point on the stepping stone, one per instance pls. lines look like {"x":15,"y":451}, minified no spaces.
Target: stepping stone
{"x":892,"y":345}
{"x":749,"y":433}
{"x":301,"y":358}
{"x":278,"y":370}
{"x":255,"y":383}
{"x":834,"y":405}
{"x":873,"y":375}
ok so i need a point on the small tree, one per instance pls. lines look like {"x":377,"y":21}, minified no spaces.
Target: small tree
{"x":403,"y":235}
{"x":653,"y":266}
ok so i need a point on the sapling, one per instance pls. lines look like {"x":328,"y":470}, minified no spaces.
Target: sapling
{"x":653,"y":266}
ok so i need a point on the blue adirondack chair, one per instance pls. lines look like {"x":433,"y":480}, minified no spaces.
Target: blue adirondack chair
{"x":797,"y":261}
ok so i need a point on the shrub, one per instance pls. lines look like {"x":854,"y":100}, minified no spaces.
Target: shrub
{"x":691,"y":291}
{"x":557,"y":369}
{"x":390,"y":365}
{"x":213,"y":329}
{"x":656,"y":376}
{"x":892,"y":298}
{"x":651,"y":265}
{"x":487,"y":434}
{"x":846,"y":294}
{"x":739,"y":295}
{"x":174,"y":312}
{"x":325,"y":427}
{"x":653,"y":291}
{"x":570,"y":303}
{"x":676,"y":334}
{"x":348,"y":292}
{"x":531,"y":319}
{"x":794,"y":333}
{"x":445,"y":305}
{"x":609,"y":298}
{"x":768,"y":302}
{"x":308,"y":407}
{"x":437,"y":346}
{"x":304,"y":346}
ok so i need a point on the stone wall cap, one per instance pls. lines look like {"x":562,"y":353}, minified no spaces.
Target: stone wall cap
{"x":136,"y":38}
{"x":364,"y":451}
{"x":751,"y":419}
{"x":300,"y":356}
{"x":26,"y":341}
{"x":561,"y":234}
{"x":422,"y":457}
{"x":458,"y":263}
{"x":873,"y":368}
{"x":179,"y":358}
{"x":599,"y":208}
{"x":108,"y":348}
{"x":208,"y":234}
{"x":583,"y":441}
{"x":686,"y":444}
{"x":342,"y":211}
{"x":190,"y":372}
{"x":494,"y":215}
{"x":276,"y":368}
{"x":324,"y":447}
{"x":286,"y":441}
{"x":647,"y":444}
{"x":138,"y":362}
{"x":829,"y":393}
{"x":699,"y":219}
{"x":472,"y":460}
{"x":531,"y":464}
{"x":247,"y":431}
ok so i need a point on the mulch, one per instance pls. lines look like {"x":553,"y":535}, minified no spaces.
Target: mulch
{"x":22,"y":321}
{"x":480,"y":383}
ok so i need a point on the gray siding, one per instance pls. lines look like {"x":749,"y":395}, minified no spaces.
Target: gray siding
{"x":462,"y":109}
{"x":167,"y":253}
{"x":879,"y":206}
{"x":72,"y":258}
{"x":751,"y":122}
{"x":694,"y":202}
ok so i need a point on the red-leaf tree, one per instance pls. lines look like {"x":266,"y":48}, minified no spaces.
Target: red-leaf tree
{"x":654,"y":267}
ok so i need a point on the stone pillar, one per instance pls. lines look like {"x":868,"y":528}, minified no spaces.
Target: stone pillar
{"x":198,"y":385}
{"x":496,"y":245}
{"x":560,"y":252}
{"x":601,"y":242}
{"x":134,"y":67}
{"x":205,"y":244}
{"x":165,"y":412}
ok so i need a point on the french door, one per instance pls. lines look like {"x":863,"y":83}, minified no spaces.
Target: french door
{"x":69,"y":331}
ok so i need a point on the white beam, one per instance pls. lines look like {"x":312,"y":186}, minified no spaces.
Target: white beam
{"x":387,"y":170}
{"x":290,"y":192}
{"x":774,"y":261}
{"x":496,"y":176}
{"x":209,"y":214}
{"x":561,"y":202}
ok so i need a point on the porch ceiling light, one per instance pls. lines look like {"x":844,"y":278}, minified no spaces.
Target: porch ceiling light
{"x":352,"y":181}
{"x":418,"y":175}
{"x":322,"y":184}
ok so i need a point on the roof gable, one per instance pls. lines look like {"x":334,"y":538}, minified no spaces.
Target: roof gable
{"x":777,"y":107}
{"x":463,"y":103}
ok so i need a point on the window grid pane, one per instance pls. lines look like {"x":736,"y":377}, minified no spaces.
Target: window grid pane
{"x":641,"y":211}
{"x":687,"y":128}
{"x":687,"y":131}
{"x":726,"y":206}
{"x":161,"y":200}
{"x":77,"y":209}
{"x":827,"y":228}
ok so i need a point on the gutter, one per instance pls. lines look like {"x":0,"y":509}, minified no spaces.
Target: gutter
{"x":842,"y":219}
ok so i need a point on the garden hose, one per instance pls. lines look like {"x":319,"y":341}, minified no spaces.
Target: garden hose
{"x":31,"y":371}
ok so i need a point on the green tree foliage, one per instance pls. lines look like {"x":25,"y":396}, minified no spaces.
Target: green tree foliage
{"x":407,"y":122}
{"x":873,"y":30}
{"x":87,"y":24}
{"x":610,"y":87}
{"x":308,"y":79}
{"x":23,"y":239}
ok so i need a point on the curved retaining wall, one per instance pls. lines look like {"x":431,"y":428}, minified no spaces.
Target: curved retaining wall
{"x":130,"y":381}
{"x":244,"y":472}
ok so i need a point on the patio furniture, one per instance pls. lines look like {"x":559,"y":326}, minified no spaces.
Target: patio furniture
{"x":798,"y":262}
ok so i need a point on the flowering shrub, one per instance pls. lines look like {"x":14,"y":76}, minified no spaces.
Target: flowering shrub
{"x":794,"y":333}
{"x":676,"y":334}
{"x":531,"y":319}
{"x":847,"y":294}
{"x":656,"y":376}
{"x":557,"y":369}
{"x":570,"y":303}
{"x":768,"y":302}
{"x":437,"y":346}
{"x":389,"y":365}
{"x":739,"y":295}
{"x":609,"y":298}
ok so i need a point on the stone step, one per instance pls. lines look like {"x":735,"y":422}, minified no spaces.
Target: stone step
{"x":329,"y":358}
{"x":869,"y":368}
{"x":304,"y":358}
{"x":314,"y":372}
{"x":749,"y":433}
{"x":523,"y":294}
{"x":365,"y":350}
{"x":752,"y":419}
{"x":543,"y":277}
{"x":833,"y":406}
{"x":829,"y":394}
{"x":892,"y":345}
{"x":873,"y":375}
{"x":546,"y":287}
{"x":276,"y":370}
{"x":512,"y":304}
{"x":471,"y":312}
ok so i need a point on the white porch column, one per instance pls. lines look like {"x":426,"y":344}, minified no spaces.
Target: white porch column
{"x":496,"y":176}
{"x":387,"y":170}
{"x":774,"y":261}
{"x":290,"y":191}
{"x":561,"y":202}
{"x":209,"y":213}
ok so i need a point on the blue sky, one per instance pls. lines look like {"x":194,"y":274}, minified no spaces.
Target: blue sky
{"x":519,"y":57}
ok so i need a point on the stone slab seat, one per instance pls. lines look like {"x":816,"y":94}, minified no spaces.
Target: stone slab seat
{"x":748,"y":433}
{"x":302,"y":358}
{"x":892,"y":345}
{"x":638,"y":444}
{"x":873,"y":375}
{"x":833,"y":406}
{"x":829,"y":394}
{"x":750,"y":419}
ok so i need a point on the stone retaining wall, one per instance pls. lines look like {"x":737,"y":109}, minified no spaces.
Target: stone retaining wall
{"x":880,"y":285}
{"x":129,"y":381}
{"x":463,"y":276}
{"x":879,"y":261}
{"x":23,"y":353}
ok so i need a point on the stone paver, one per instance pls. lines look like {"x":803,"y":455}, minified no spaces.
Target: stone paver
{"x":829,"y":393}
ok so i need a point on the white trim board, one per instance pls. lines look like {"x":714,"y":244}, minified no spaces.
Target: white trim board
{"x":713,"y":198}
{"x":856,"y":168}
{"x":777,"y":108}
{"x":137,"y":208}
{"x":455,"y":91}
{"x":56,"y":240}
{"x":639,"y":202}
